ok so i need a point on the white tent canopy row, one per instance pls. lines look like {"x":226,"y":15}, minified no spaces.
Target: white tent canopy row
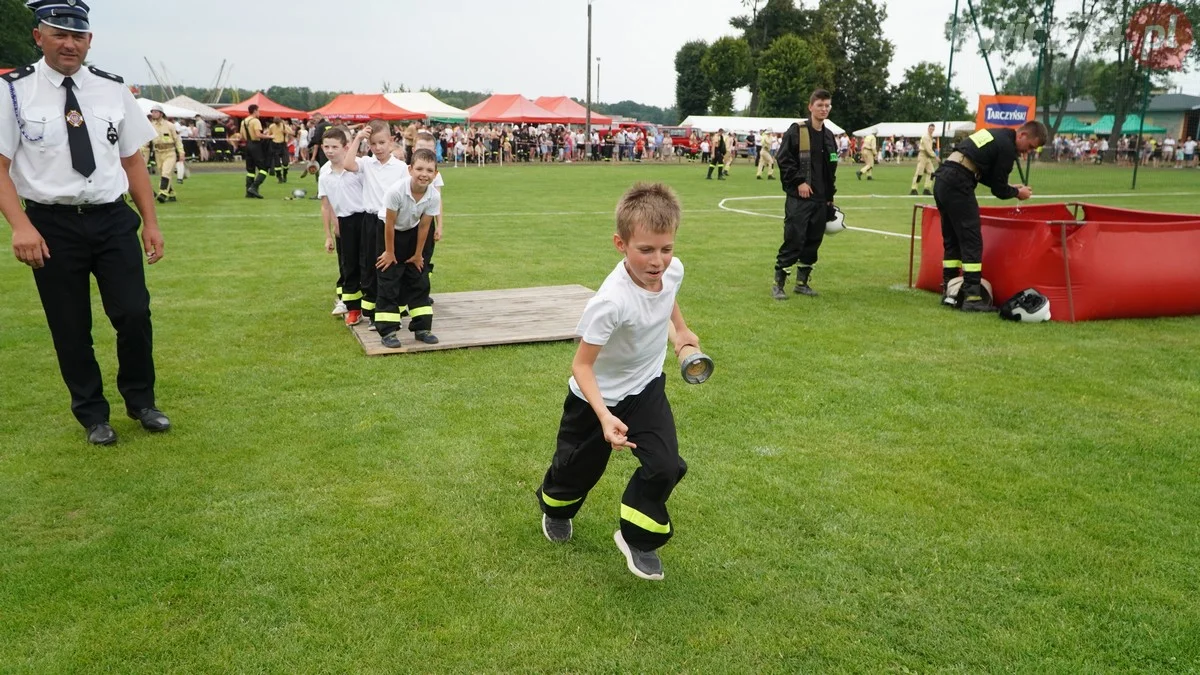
{"x":776,"y":125}
{"x":913,"y":129}
{"x":197,"y":108}
{"x":172,"y":111}
{"x":427,"y":104}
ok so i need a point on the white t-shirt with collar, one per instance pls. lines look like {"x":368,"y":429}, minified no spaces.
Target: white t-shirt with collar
{"x":409,"y":209}
{"x":35,"y":137}
{"x":342,"y":188}
{"x":630,"y":324}
{"x":376,"y":179}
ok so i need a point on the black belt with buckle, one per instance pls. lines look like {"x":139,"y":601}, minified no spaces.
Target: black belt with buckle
{"x":74,"y":208}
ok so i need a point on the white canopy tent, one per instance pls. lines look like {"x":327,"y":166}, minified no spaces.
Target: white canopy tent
{"x":913,"y":129}
{"x":172,"y":111}
{"x":427,"y":104}
{"x":778,"y":125}
{"x":197,"y":108}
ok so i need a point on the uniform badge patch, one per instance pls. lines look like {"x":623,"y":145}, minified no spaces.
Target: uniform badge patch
{"x":112,"y":134}
{"x":74,"y":118}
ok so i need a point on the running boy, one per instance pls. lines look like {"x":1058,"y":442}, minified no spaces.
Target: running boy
{"x":410,"y":207}
{"x":379,"y":171}
{"x":341,"y":193}
{"x":617,"y":396}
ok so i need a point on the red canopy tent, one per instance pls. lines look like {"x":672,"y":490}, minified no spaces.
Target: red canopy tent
{"x":266,"y":108}
{"x":567,"y":107}
{"x":362,"y":107}
{"x":512,"y":109}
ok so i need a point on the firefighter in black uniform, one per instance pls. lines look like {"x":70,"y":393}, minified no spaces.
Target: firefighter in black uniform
{"x":257,"y":164}
{"x":808,"y":170}
{"x":221,"y":151}
{"x":986,"y":156}
{"x":718,"y":156}
{"x":70,"y":148}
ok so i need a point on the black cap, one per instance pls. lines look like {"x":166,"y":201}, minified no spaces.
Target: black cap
{"x":69,"y":15}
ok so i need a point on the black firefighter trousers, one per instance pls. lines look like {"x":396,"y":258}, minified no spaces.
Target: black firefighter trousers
{"x":582,"y":456}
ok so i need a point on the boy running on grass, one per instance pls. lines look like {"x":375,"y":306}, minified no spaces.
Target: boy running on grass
{"x":617,"y":396}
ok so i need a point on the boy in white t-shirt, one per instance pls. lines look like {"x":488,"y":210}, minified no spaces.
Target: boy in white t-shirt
{"x":617,"y":396}
{"x":380,"y":171}
{"x":341,"y":195}
{"x":410,"y":207}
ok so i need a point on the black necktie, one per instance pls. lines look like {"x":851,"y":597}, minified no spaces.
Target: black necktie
{"x":77,"y":134}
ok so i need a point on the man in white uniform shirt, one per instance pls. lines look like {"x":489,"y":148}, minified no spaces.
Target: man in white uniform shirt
{"x":70,"y":147}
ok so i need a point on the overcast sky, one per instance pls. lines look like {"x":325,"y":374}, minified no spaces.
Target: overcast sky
{"x":531,"y":47}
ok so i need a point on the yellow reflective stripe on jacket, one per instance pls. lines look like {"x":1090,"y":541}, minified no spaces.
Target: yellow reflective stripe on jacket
{"x":558,"y":503}
{"x":972,"y":267}
{"x":643,"y":521}
{"x":982,"y":138}
{"x":420,"y":311}
{"x":388,"y":317}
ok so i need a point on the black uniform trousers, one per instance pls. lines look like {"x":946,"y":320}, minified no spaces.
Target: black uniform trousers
{"x":279,"y":157}
{"x":370,"y":247}
{"x":803,"y":231}
{"x":348,"y":242}
{"x":582,"y":456}
{"x":257,"y":163}
{"x":102,"y":241}
{"x":962,"y":241}
{"x":403,"y":288}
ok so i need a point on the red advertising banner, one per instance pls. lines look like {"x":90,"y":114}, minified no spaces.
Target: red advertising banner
{"x":1007,"y":112}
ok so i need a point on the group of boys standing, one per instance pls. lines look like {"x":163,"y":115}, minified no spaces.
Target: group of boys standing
{"x":379,"y":214}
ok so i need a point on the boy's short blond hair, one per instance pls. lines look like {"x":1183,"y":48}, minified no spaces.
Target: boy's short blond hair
{"x":650,"y":206}
{"x":379,"y":126}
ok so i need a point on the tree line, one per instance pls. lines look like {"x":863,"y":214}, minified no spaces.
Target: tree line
{"x":785,"y":51}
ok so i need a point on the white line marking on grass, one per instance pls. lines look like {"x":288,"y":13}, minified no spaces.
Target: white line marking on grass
{"x":778,"y":217}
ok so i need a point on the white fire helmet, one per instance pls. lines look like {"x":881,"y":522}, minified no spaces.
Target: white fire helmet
{"x":835,"y":220}
{"x":1028,"y":306}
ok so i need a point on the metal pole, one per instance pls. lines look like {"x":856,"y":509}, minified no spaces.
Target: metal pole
{"x":597,"y":79}
{"x":1047,"y":14}
{"x":587,"y":135}
{"x":949,"y":76}
{"x":982,"y":47}
{"x":1137,"y":152}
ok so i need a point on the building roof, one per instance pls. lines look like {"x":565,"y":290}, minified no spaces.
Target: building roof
{"x":1159,"y":103}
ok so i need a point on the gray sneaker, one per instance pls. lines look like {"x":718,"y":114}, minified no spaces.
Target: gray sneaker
{"x":556,"y":530}
{"x":644,"y":564}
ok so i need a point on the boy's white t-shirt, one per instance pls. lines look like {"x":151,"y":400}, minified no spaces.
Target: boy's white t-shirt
{"x":409,"y":210}
{"x":630,"y":323}
{"x":376,"y":179}
{"x":343,"y":189}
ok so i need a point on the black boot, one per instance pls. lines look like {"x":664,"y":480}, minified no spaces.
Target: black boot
{"x":802,"y":287}
{"x":710,"y":170}
{"x":974,"y":299}
{"x":253,"y":189}
{"x":950,"y":274}
{"x":777,"y":291}
{"x":720,"y":173}
{"x":285,"y":170}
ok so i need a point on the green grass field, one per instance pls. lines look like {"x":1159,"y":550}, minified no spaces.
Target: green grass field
{"x":876,"y":484}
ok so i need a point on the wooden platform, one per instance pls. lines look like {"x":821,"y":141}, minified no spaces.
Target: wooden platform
{"x":482,"y":318}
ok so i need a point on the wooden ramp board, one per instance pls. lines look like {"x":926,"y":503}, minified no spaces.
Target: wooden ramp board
{"x":482,"y":318}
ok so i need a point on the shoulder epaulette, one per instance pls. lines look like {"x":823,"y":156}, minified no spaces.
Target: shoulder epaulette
{"x":115,"y":78}
{"x":18,"y":73}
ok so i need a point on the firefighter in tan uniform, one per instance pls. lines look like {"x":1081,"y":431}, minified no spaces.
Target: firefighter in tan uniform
{"x":168,"y":149}
{"x":765,"y":158}
{"x":730,"y":150}
{"x":868,"y":157}
{"x":927,"y":160}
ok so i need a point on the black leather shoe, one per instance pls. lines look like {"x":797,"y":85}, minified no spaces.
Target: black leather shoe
{"x":152,"y":419}
{"x":101,"y":434}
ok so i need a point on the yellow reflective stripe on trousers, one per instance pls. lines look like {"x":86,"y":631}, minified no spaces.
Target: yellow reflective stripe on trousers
{"x":368,"y":305}
{"x":352,"y":296}
{"x":972,"y":267}
{"x":557,"y":503}
{"x":420,"y":311}
{"x":387,"y":317}
{"x":643,"y":521}
{"x":982,"y":137}
{"x":951,"y":263}
{"x":338,"y":290}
